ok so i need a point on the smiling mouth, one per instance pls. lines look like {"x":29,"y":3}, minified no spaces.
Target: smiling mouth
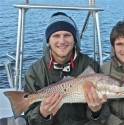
{"x":62,"y":47}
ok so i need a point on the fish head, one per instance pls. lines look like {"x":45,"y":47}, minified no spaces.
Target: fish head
{"x":109,"y":85}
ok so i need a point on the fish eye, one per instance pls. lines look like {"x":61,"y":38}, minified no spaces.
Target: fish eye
{"x":26,"y":96}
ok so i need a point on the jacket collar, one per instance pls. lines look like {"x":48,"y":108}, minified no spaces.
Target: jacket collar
{"x":114,"y":60}
{"x":66,"y":67}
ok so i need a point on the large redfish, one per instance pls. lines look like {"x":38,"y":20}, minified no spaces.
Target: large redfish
{"x":72,"y":89}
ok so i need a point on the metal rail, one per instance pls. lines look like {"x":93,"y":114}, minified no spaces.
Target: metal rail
{"x":43,"y":6}
{"x":20,"y":35}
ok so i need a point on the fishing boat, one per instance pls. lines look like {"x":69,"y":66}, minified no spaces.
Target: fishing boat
{"x":6,"y":114}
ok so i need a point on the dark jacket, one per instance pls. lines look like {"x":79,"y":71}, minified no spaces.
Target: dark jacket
{"x":115,"y":69}
{"x":39,"y":76}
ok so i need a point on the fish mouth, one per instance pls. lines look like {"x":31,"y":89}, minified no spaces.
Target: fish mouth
{"x":115,"y":95}
{"x":110,"y":94}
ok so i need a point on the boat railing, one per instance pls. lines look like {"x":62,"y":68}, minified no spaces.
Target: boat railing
{"x":10,"y":73}
{"x":92,"y":10}
{"x":106,"y":57}
{"x":9,"y":70}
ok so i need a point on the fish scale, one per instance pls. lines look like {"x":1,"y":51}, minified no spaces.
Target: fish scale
{"x":72,"y":88}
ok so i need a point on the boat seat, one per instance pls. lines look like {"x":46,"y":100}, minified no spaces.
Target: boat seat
{"x":12,"y":121}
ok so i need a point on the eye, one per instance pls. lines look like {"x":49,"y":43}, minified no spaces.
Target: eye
{"x":119,"y":44}
{"x":55,"y":36}
{"x":67,"y":35}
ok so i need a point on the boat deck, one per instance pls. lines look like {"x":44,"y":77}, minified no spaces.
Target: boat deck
{"x":13,"y":121}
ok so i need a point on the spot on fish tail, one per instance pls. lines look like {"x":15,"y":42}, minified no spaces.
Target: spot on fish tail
{"x":26,"y":96}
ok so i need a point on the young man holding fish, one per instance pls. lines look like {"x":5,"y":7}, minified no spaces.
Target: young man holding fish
{"x":115,"y":68}
{"x":62,"y":59}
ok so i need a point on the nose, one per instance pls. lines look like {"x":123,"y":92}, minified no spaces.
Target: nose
{"x":122,"y":49}
{"x":62,"y":39}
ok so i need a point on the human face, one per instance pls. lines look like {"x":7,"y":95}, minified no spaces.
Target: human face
{"x":61,"y":43}
{"x":119,"y":49}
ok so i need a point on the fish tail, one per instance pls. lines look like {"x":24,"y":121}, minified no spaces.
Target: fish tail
{"x":18,"y":101}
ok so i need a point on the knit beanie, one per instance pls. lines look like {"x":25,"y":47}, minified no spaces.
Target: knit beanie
{"x":60,"y":22}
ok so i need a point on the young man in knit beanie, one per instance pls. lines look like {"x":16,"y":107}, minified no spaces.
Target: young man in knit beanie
{"x":61,"y":59}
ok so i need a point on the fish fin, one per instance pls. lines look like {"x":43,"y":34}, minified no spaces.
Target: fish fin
{"x":87,"y":71}
{"x":18,"y":101}
{"x":65,"y":79}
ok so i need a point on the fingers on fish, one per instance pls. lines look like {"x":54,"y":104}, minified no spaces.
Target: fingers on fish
{"x":87,"y":85}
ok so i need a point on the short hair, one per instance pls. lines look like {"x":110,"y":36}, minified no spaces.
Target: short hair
{"x":116,"y":32}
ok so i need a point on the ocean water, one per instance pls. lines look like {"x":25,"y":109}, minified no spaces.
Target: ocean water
{"x":36,"y":21}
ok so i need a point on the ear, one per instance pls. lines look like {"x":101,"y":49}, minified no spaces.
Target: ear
{"x":112,"y":52}
{"x":75,"y":44}
{"x":48,"y":44}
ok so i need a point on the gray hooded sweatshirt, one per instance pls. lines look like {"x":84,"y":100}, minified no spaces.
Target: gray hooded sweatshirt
{"x":115,"y":69}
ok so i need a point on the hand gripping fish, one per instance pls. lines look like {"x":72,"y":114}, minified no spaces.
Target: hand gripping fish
{"x":72,"y":89}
